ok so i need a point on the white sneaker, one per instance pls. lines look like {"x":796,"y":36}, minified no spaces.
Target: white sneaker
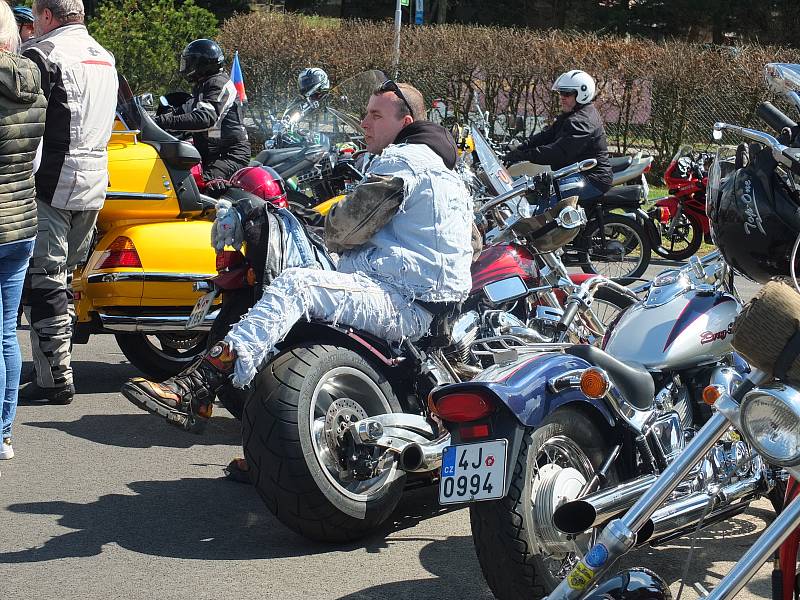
{"x":6,"y":451}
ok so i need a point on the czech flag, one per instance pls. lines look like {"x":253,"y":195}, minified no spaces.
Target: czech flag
{"x":236,"y":77}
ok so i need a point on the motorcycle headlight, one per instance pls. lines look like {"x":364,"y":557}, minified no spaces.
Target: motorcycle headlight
{"x":770,"y":417}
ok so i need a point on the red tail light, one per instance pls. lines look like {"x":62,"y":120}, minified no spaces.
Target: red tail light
{"x":121,"y":253}
{"x":228,"y":259}
{"x":648,"y":167}
{"x":463,"y":407}
{"x":474,"y":432}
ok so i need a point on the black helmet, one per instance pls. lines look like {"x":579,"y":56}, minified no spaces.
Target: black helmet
{"x":313,"y":82}
{"x":754,"y":217}
{"x":201,"y":59}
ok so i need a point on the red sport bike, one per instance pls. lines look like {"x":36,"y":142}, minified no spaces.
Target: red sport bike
{"x":680,"y":219}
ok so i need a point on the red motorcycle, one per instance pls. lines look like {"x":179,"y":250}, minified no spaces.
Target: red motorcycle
{"x":680,"y":219}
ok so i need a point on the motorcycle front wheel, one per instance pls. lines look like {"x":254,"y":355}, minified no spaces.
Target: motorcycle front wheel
{"x":622,"y":251}
{"x":520,"y":551}
{"x":161,"y":355}
{"x":683,"y":242}
{"x":292,"y":429}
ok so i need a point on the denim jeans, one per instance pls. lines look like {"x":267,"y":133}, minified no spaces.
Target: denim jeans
{"x":14,"y":259}
{"x":348,"y":299}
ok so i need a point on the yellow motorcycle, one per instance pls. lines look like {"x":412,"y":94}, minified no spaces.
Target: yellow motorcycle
{"x":152,"y":244}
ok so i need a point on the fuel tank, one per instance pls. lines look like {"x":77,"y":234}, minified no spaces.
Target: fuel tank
{"x":677,"y":326}
{"x":501,"y":261}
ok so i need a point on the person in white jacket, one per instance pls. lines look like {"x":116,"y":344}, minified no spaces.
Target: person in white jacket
{"x":79,"y":79}
{"x":404,"y":239}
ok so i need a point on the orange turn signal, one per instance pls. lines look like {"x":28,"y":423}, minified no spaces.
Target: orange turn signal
{"x":594,"y":383}
{"x":711,"y":393}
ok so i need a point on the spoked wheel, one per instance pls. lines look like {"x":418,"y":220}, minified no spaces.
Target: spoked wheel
{"x":294,"y":440}
{"x":521,"y":552}
{"x":162,"y":355}
{"x":680,"y":238}
{"x":622,"y":251}
{"x":607,"y":307}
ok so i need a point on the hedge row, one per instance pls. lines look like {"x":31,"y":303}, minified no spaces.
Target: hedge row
{"x":652,"y":95}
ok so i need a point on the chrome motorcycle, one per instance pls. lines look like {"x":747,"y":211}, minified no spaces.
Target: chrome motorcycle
{"x":593,"y":428}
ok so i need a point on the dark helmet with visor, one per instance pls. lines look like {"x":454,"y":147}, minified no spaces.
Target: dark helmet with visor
{"x":201,"y":59}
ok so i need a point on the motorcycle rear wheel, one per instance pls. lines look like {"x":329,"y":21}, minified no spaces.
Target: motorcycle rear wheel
{"x":160,"y":356}
{"x":505,"y":532}
{"x":687,"y":235}
{"x":627,"y":248}
{"x":288,"y":427}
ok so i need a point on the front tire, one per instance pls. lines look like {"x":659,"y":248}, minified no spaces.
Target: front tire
{"x":509,"y":533}
{"x":302,"y":398}
{"x":685,"y":240}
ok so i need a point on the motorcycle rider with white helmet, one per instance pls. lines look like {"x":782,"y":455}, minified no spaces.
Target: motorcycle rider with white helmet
{"x":576,"y":134}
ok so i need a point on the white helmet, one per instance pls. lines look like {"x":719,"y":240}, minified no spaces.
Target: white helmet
{"x":579,"y":82}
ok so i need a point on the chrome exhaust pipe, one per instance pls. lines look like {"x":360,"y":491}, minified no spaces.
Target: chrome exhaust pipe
{"x":422,"y":458}
{"x":411,"y":438}
{"x":590,"y":511}
{"x":683,"y":514}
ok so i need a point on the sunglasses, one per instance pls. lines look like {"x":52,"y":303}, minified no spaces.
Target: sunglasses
{"x":391,"y":86}
{"x":567,"y":94}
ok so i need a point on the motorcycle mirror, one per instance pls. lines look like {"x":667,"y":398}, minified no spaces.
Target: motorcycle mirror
{"x":146,"y":100}
{"x":505,"y":290}
{"x":162,"y":100}
{"x":784,"y":79}
{"x":717,"y":134}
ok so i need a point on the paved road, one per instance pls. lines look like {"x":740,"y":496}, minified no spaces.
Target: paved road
{"x":104,"y":501}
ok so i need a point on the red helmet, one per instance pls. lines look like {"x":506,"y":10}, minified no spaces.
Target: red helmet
{"x":262,"y":181}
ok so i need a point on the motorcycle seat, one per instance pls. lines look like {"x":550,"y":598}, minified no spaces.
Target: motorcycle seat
{"x":620,"y":163}
{"x":632,"y":380}
{"x":275,"y":156}
{"x":623,"y":196}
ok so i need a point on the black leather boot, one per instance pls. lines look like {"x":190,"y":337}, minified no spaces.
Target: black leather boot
{"x":185,"y":400}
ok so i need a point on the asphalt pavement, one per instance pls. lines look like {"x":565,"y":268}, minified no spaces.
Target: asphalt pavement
{"x":105,"y":501}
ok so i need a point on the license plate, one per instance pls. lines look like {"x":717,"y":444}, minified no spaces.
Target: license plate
{"x":200,"y":309}
{"x":472,"y":472}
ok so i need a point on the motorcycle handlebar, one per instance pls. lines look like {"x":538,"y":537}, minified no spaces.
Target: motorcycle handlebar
{"x":773,"y":116}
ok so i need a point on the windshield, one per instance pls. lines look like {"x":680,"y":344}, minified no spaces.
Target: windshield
{"x":337,"y":115}
{"x":496,"y":175}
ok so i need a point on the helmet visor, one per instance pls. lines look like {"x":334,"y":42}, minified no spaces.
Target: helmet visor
{"x":723,"y":166}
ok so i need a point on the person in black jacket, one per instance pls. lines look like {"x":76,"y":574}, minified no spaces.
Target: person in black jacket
{"x":577,"y":134}
{"x":214,"y":115}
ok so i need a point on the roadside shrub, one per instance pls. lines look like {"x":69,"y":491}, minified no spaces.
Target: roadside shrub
{"x":653,"y":96}
{"x":147,"y":36}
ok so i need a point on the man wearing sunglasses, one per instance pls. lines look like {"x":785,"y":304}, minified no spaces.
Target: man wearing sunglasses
{"x":576,"y":134}
{"x":403,"y":236}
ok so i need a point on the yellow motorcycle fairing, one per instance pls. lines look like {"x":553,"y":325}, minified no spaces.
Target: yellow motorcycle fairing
{"x":324,"y":208}
{"x":139,"y":185}
{"x":173,"y":255}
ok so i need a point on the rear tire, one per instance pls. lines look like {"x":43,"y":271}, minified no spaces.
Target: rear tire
{"x":163,"y":355}
{"x":627,"y":248}
{"x":502,"y":530}
{"x":290,"y":470}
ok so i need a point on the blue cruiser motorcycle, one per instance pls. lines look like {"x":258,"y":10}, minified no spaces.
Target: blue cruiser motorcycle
{"x":595,"y":427}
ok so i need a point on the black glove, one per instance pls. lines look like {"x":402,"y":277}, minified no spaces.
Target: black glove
{"x":512,"y":157}
{"x":216,"y":185}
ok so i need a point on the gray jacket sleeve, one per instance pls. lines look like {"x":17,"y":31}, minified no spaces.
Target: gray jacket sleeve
{"x":363,"y":212}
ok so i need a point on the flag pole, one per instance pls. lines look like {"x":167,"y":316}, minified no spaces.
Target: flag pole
{"x":398,"y":18}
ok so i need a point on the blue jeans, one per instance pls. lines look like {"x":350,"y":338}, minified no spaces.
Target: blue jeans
{"x":578,"y":185}
{"x":14,"y":259}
